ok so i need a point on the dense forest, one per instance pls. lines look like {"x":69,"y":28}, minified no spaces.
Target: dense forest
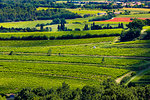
{"x":40,"y":3}
{"x":18,"y":12}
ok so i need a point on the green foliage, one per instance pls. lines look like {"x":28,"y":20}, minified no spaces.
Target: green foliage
{"x":136,"y":23}
{"x":49,"y":52}
{"x":58,"y":21}
{"x":23,"y":13}
{"x":60,"y":35}
{"x":115,"y":92}
{"x":104,"y":17}
{"x":2,"y":98}
{"x":125,"y":79}
{"x":130,"y":34}
{"x":53,"y":42}
{"x":86,"y":27}
{"x":147,"y":36}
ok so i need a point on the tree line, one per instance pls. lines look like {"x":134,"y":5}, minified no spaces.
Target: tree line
{"x":68,"y":36}
{"x":107,"y":90}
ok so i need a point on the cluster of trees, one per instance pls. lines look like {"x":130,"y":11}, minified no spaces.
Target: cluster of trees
{"x":3,"y":29}
{"x":54,"y":21}
{"x":40,"y":3}
{"x":134,"y":29}
{"x":98,"y":27}
{"x":18,"y":12}
{"x":107,"y":90}
{"x":68,"y":36}
{"x":104,"y":17}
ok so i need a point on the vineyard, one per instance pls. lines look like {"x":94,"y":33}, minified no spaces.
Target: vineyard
{"x":76,"y":51}
{"x":78,"y":62}
{"x":56,"y":34}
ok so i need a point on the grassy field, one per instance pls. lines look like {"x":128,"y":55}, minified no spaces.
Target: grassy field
{"x":83,"y":11}
{"x":136,"y":15}
{"x":44,"y":8}
{"x":24,"y":24}
{"x":137,"y":9}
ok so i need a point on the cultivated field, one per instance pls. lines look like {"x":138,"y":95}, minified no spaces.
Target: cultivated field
{"x":87,"y":58}
{"x":75,"y":61}
{"x":56,"y":34}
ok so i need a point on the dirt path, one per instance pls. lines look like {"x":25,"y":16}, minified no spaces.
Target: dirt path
{"x":118,"y":80}
{"x":140,"y":73}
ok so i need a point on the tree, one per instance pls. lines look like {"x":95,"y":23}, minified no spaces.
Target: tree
{"x":121,"y":25}
{"x":42,"y":27}
{"x":59,"y":29}
{"x":11,"y":53}
{"x":49,"y":52}
{"x":86,"y":27}
{"x":130,"y":34}
{"x":103,"y":60}
{"x":136,"y":23}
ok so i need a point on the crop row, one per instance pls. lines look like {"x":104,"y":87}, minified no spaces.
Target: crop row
{"x":136,"y":42}
{"x":93,"y":49}
{"x":55,"y":42}
{"x":17,"y":75}
{"x":136,"y":15}
{"x":100,"y":61}
{"x":12,"y":82}
{"x":87,"y":72}
{"x":56,"y":34}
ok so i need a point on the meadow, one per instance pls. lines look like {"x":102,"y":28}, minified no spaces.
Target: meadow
{"x":136,"y":9}
{"x":135,"y":16}
{"x":24,"y":24}
{"x":84,"y":11}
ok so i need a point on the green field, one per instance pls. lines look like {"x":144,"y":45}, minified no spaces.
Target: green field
{"x":55,"y":42}
{"x":14,"y":77}
{"x":24,"y":24}
{"x":83,"y":12}
{"x":101,"y":49}
{"x":78,"y":62}
{"x":136,"y":15}
{"x":81,"y":33}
